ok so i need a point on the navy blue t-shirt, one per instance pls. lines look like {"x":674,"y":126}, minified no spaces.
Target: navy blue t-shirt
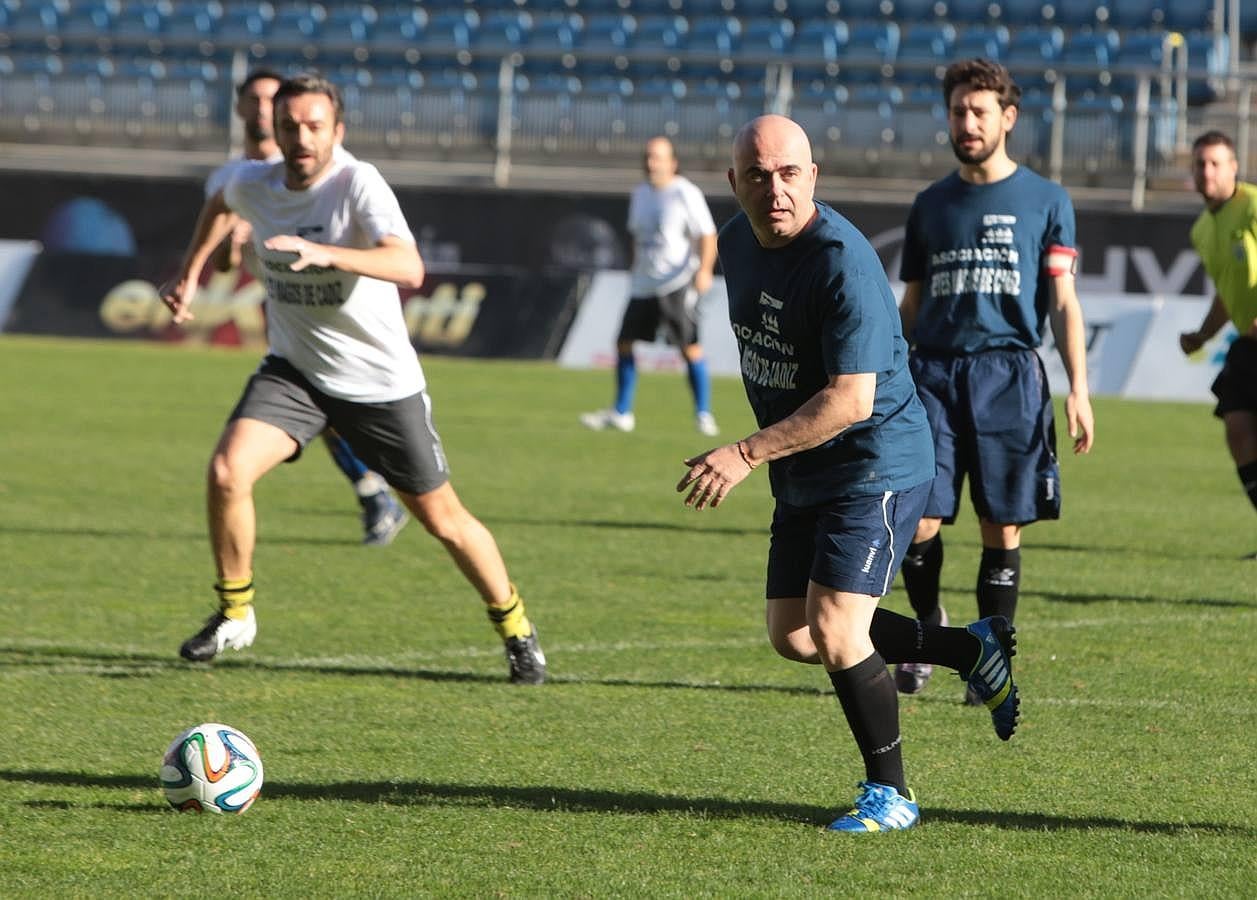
{"x":979,"y":251}
{"x":818,"y":307}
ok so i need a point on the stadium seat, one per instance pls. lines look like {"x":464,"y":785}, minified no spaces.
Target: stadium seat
{"x":1032,"y":134}
{"x":1133,"y":14}
{"x":863,"y":10}
{"x":354,"y":23}
{"x":136,"y":23}
{"x":871,"y":114}
{"x":1021,"y":13}
{"x":606,"y":32}
{"x":189,"y":22}
{"x":918,"y":11}
{"x":34,"y":21}
{"x":924,"y":46}
{"x":767,"y":37}
{"x":985,"y":41}
{"x":659,"y":33}
{"x":1142,"y":50}
{"x":1094,"y":130}
{"x":1079,"y":13}
{"x":713,"y":35}
{"x":1090,"y":53}
{"x":449,"y":31}
{"x":245,"y":24}
{"x":298,"y":23}
{"x":86,"y":20}
{"x":1190,"y":15}
{"x":1207,"y":61}
{"x":401,"y":26}
{"x":872,"y":47}
{"x":966,"y":13}
{"x":921,"y":121}
{"x":501,"y":32}
{"x":820,"y":41}
{"x":553,"y":32}
{"x":1036,"y":47}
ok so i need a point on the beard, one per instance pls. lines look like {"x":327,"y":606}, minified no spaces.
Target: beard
{"x":257,"y":132}
{"x":975,"y":158}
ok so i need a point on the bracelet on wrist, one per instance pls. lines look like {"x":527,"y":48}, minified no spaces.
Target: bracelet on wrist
{"x":745,"y":456}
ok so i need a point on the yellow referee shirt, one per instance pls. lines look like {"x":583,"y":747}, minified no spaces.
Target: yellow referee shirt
{"x":1227,"y":243}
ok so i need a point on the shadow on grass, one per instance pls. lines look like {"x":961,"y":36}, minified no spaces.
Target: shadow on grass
{"x":628,"y":525}
{"x":1076,"y":597}
{"x":105,"y":664}
{"x":552,"y":798}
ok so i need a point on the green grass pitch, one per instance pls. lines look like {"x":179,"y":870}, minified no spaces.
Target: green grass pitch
{"x":672,"y":754}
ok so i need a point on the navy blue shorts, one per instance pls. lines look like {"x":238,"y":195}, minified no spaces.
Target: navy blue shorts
{"x":1236,"y":385}
{"x":855,"y":545}
{"x":991,"y":416}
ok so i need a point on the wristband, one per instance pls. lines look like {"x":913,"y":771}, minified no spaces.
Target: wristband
{"x":746,"y":459}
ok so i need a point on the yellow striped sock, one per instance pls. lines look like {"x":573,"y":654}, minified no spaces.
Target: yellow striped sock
{"x":510,"y":620}
{"x":234,"y":596}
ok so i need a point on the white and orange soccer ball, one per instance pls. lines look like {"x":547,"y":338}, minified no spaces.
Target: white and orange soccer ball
{"x":211,"y":768}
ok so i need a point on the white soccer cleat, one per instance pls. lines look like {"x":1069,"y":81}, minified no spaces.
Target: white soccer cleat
{"x":220,"y":633}
{"x":608,"y":418}
{"x":705,"y":422}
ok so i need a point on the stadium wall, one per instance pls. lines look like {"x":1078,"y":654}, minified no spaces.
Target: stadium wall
{"x":525,"y":274}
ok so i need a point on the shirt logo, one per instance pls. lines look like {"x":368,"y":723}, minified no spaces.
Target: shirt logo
{"x":769,"y":321}
{"x":772,"y":302}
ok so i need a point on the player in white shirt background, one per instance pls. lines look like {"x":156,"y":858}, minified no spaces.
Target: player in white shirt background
{"x":382,"y":516}
{"x":332,"y":247}
{"x":674,"y":257}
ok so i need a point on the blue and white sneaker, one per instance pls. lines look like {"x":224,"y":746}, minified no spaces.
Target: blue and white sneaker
{"x":991,"y":680}
{"x":382,"y":518}
{"x":879,"y":807}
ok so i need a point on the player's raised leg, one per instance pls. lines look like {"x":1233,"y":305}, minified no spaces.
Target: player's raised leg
{"x":382,"y":516}
{"x":472,"y":547}
{"x":247,"y":450}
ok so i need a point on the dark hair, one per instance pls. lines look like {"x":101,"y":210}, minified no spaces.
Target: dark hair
{"x":1213,"y":138}
{"x":982,"y":75}
{"x":258,"y":75}
{"x":311,"y":84}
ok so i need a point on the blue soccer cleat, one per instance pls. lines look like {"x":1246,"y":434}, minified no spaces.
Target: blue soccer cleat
{"x":879,"y":807}
{"x":382,"y":518}
{"x":991,"y":680}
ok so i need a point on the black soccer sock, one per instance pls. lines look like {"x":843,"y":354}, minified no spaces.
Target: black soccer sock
{"x":871,"y":704}
{"x":1248,"y":478}
{"x":899,"y":639}
{"x":998,"y":579}
{"x":922,"y":567}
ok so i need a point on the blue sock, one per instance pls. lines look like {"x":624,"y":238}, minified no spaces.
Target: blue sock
{"x":625,"y":383}
{"x":345,"y":460}
{"x":700,"y":384}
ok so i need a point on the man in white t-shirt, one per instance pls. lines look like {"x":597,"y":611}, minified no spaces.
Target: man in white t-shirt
{"x":332,"y":246}
{"x":382,"y":516}
{"x":674,"y":255}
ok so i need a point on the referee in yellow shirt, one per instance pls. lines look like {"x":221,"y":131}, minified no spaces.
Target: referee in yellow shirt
{"x":1225,"y":236}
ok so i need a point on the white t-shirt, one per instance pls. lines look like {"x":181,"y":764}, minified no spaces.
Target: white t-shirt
{"x":344,"y":332}
{"x":219,"y":177}
{"x":665,"y":223}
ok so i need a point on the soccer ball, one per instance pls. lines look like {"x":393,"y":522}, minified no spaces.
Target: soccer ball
{"x":211,"y":768}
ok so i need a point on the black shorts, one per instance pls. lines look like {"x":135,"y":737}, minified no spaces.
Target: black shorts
{"x":991,"y":417}
{"x":1236,"y":385}
{"x":675,"y":313}
{"x":396,"y":439}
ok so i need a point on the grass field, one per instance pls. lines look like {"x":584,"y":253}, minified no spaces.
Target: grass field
{"x":672,"y":754}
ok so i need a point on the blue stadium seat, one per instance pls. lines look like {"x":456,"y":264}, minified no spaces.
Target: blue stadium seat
{"x":713,"y":34}
{"x":449,"y":31}
{"x":820,"y":41}
{"x":501,"y":31}
{"x":750,"y":10}
{"x":1036,"y":46}
{"x":921,"y":121}
{"x":139,"y":23}
{"x":985,"y":41}
{"x":189,"y":22}
{"x":1032,"y":134}
{"x":1190,"y":15}
{"x":873,"y":45}
{"x":1207,"y":57}
{"x":919,"y":11}
{"x":767,"y":37}
{"x":298,"y":23}
{"x":34,"y":20}
{"x":1143,"y":50}
{"x":1131,"y":14}
{"x":87,"y":20}
{"x":871,"y":114}
{"x":1090,"y":52}
{"x":972,"y":12}
{"x":553,"y":31}
{"x":1078,"y":13}
{"x":1094,"y":130}
{"x":351,"y":23}
{"x":400,"y":25}
{"x":244,"y":24}
{"x":659,"y":33}
{"x":863,"y":10}
{"x":1020,"y":13}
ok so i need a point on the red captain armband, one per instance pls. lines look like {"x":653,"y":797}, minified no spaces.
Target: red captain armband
{"x":1061,"y":260}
